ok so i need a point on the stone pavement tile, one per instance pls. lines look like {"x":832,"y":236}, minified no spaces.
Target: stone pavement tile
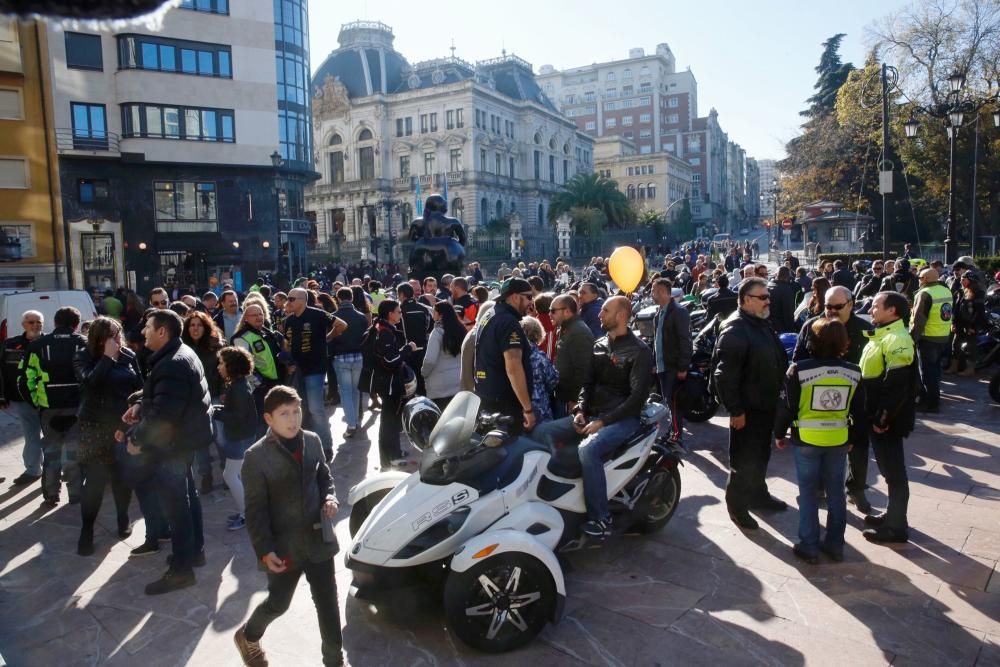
{"x":983,"y":543}
{"x":983,"y":496}
{"x":82,"y":647}
{"x":643,"y":598}
{"x":989,"y":654}
{"x":47,"y":611}
{"x":976,"y":610}
{"x":994,"y":585}
{"x":762,"y":639}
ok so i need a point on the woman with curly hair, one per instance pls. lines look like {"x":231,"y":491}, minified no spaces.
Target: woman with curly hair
{"x":108,"y":373}
{"x":202,"y":334}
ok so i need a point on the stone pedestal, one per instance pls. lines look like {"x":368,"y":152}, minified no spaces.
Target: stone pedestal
{"x":564,"y":232}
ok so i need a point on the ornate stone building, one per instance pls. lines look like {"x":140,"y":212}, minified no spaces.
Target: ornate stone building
{"x":385,"y":130}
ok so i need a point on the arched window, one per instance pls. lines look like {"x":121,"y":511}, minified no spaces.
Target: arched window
{"x":406,"y":214}
{"x":541,"y":214}
{"x":457,"y":207}
{"x":484,"y":211}
{"x":366,"y":135}
{"x":499,"y":209}
{"x":642,"y":191}
{"x":631,"y":192}
{"x":336,"y":140}
{"x":513,"y":207}
{"x":538,"y":138}
{"x":337,"y":167}
{"x":651,"y":191}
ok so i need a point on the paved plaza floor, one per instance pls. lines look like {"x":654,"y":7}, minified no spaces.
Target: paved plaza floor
{"x":700,"y":592}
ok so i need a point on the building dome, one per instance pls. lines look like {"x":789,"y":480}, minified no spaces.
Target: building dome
{"x":366,"y":62}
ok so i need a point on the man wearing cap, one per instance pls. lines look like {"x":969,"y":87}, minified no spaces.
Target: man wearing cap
{"x":961,"y":265}
{"x":672,"y":348}
{"x":870,"y":283}
{"x":930,"y":330}
{"x":503,"y":357}
{"x":901,"y":280}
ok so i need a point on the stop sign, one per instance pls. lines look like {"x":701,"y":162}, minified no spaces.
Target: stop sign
{"x":786,"y":223}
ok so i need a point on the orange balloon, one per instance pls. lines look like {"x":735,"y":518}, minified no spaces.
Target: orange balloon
{"x":626,"y":267}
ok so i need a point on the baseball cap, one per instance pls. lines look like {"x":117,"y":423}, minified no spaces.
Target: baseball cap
{"x":514,"y":286}
{"x":964,"y":262}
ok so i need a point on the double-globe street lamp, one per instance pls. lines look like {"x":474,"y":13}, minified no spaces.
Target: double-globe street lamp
{"x":954,"y":111}
{"x":773,"y":193}
{"x":388,"y":204}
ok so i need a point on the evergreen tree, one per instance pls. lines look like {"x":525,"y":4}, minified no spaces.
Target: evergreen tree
{"x":832,"y":75}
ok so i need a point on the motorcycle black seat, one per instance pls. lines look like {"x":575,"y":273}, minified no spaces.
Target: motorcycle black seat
{"x":565,"y":461}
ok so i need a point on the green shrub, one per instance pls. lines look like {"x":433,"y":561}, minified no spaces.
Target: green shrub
{"x":988,"y":265}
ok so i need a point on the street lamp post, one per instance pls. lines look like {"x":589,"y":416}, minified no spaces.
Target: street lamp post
{"x":389,"y":204}
{"x":278,"y":162}
{"x":773,"y":192}
{"x":954,"y":111}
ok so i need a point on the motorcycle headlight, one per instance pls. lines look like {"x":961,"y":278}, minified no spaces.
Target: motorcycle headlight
{"x":434,"y":535}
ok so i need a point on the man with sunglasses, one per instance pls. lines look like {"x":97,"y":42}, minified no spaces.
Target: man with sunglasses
{"x":749,"y":373}
{"x":840,"y":305}
{"x":870,"y":282}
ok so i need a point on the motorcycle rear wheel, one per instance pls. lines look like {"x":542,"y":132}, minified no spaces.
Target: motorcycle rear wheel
{"x":666,"y":484}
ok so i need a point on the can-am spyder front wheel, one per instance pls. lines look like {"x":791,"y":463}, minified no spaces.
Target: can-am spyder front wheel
{"x":501,"y":603}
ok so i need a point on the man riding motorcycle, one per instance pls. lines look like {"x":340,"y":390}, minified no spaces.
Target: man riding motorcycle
{"x":608,"y":413}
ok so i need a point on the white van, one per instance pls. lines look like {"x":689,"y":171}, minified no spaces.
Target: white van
{"x":14,"y":303}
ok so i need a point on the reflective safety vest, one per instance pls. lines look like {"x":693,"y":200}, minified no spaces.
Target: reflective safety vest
{"x":263,"y":361}
{"x":825,"y":402}
{"x":939,"y":318}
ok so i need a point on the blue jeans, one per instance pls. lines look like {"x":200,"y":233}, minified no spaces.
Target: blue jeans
{"x":312,"y":386}
{"x":182,"y":507}
{"x":31,"y":424}
{"x":152,"y":511}
{"x":813,"y":465}
{"x":593,"y":449}
{"x":930,"y":354}
{"x":347,"y":368}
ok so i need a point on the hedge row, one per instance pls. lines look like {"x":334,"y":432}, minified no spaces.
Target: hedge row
{"x":850,"y":258}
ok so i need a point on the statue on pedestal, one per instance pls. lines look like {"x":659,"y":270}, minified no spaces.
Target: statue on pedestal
{"x":439,"y":241}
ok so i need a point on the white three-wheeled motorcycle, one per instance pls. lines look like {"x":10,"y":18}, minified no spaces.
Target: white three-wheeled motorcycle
{"x":488,"y":514}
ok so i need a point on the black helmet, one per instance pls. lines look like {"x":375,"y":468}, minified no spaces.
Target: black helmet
{"x":420,"y":416}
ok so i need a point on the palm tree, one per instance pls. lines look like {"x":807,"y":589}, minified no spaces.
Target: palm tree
{"x":591,"y":191}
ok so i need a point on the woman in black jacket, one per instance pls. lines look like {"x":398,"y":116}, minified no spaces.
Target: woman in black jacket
{"x":384,"y":373}
{"x":202,"y":335}
{"x":108,"y":373}
{"x":238,"y":415}
{"x":970,"y":318}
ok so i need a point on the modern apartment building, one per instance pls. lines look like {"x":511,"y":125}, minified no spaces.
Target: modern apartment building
{"x":184,"y":150}
{"x":485,"y":133}
{"x":32,"y":252}
{"x":644,"y":99}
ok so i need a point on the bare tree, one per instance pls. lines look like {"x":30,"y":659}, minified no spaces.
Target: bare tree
{"x":931,"y":39}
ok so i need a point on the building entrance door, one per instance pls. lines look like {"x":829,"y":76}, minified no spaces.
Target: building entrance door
{"x":98,"y":256}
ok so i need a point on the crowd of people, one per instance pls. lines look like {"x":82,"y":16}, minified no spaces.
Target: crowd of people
{"x":146,"y":396}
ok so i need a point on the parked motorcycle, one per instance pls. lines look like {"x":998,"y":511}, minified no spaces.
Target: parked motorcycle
{"x":703,"y":404}
{"x":488,"y":514}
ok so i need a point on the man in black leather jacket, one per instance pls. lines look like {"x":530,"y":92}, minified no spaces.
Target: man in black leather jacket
{"x":610,"y":403}
{"x":749,"y":366}
{"x":723,"y":302}
{"x":784,"y":298}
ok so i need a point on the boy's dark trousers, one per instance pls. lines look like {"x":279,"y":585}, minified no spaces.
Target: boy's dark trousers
{"x":281,"y":587}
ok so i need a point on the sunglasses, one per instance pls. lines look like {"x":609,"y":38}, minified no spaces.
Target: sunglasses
{"x":292,"y":298}
{"x":760,"y":297}
{"x":159,"y":304}
{"x":835,"y":306}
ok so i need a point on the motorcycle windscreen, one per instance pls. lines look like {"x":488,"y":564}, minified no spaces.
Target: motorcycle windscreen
{"x":454,"y":429}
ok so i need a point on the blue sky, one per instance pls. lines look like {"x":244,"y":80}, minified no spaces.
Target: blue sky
{"x":753,"y":60}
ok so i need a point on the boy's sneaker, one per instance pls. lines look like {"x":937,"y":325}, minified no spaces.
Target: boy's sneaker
{"x":251,"y":652}
{"x":237,"y":523}
{"x":598,"y":529}
{"x":145,"y":549}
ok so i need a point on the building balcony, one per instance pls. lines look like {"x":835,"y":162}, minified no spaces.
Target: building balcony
{"x":456,"y":177}
{"x":405,"y":182}
{"x":346,"y":187}
{"x":75,"y":142}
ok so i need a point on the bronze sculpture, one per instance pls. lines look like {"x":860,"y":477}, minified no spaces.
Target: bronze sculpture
{"x":439,"y":241}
